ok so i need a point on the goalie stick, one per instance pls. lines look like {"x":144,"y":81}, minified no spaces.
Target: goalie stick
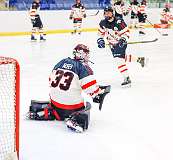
{"x":95,"y":14}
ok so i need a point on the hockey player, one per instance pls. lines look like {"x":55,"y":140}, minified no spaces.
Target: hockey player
{"x":36,"y":21}
{"x":133,"y":8}
{"x":166,"y":16}
{"x":119,"y":8}
{"x":77,"y":14}
{"x":117,"y":33}
{"x":68,"y":79}
{"x":142,"y":16}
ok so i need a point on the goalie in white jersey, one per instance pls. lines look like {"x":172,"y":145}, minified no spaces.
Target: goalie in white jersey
{"x":68,"y":79}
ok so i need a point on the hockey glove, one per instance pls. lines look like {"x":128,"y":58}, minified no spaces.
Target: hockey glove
{"x":145,"y":16}
{"x":84,"y":16}
{"x":122,"y":42}
{"x":101,"y":43}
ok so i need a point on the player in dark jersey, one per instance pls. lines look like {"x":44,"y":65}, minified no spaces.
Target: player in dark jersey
{"x":77,"y":14}
{"x":68,"y":79}
{"x":36,"y":21}
{"x":115,"y":30}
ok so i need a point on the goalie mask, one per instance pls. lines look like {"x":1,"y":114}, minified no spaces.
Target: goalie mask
{"x":81,"y":52}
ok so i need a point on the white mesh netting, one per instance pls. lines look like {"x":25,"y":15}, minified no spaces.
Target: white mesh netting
{"x":7,"y":107}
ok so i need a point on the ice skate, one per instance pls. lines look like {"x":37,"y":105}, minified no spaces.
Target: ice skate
{"x":143,"y":61}
{"x":33,"y":39}
{"x":73,"y":32}
{"x":141,"y":33}
{"x":127,"y":82}
{"x":73,"y":125}
{"x":79,"y":33}
{"x":42,"y":39}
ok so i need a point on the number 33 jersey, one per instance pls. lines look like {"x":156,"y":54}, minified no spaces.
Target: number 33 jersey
{"x":67,"y":80}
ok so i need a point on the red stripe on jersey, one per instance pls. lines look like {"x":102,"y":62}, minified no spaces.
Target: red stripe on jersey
{"x":121,"y":66}
{"x":78,"y":19}
{"x":85,"y":86}
{"x":66,"y":106}
{"x":127,"y":31}
{"x":101,"y":32}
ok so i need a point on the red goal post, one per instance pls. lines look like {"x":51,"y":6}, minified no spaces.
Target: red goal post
{"x":9,"y":108}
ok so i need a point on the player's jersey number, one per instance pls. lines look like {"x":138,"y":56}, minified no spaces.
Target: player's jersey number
{"x":62,"y":79}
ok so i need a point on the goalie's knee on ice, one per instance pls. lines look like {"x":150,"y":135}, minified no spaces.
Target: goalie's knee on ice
{"x":40,"y":110}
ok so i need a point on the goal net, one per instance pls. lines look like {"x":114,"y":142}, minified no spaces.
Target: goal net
{"x":9,"y":108}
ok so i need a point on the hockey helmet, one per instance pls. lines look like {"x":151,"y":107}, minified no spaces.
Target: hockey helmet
{"x":167,"y":5}
{"x":107,"y":12}
{"x":81,"y":52}
{"x":108,"y":9}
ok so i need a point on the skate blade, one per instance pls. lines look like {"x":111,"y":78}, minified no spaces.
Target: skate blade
{"x":74,"y":130}
{"x":34,"y":40}
{"x":126,"y":86}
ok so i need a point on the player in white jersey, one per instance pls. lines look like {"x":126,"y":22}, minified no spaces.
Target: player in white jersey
{"x":36,"y":21}
{"x":133,"y":8}
{"x":119,"y":8}
{"x":69,"y":78}
{"x":142,"y":16}
{"x":166,"y":16}
{"x":77,"y":14}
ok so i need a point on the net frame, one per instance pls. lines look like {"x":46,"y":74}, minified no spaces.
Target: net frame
{"x":6,"y":61}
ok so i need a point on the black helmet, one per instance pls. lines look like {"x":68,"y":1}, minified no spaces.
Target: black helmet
{"x":108,"y":9}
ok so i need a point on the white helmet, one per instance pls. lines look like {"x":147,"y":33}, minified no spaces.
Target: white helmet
{"x":81,"y":52}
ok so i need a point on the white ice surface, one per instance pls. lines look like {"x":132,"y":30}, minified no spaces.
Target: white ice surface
{"x":135,"y":123}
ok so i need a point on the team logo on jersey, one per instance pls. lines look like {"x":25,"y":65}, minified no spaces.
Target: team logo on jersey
{"x":115,"y":29}
{"x":119,"y":21}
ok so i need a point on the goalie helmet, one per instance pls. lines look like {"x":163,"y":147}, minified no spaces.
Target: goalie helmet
{"x":81,"y":52}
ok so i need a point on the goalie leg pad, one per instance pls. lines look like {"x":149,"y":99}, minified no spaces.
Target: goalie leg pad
{"x":79,"y":121}
{"x":41,"y":110}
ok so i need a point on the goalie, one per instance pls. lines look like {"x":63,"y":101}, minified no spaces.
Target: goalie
{"x":68,"y":79}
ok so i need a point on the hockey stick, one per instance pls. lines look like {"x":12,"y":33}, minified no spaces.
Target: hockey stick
{"x":95,"y":14}
{"x":164,"y":34}
{"x":137,"y":42}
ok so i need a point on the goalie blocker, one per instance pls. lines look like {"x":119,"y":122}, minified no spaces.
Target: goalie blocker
{"x":76,"y":120}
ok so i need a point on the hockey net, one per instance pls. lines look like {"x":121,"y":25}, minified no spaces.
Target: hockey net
{"x":9,"y":108}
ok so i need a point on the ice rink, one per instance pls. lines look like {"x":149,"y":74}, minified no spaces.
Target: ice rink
{"x":135,"y":123}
